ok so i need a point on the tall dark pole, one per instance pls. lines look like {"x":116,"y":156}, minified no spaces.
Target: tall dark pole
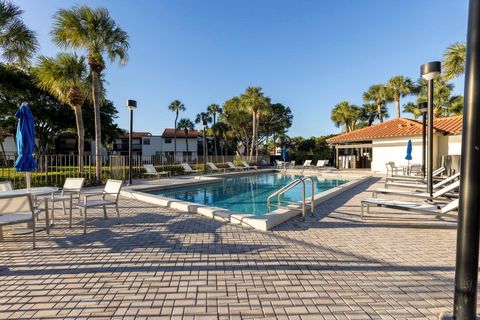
{"x":466,"y":267}
{"x":131,"y":105}
{"x":423,"y":109}
{"x":430,"y":71}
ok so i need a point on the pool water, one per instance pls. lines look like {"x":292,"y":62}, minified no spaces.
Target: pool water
{"x":248,"y":193}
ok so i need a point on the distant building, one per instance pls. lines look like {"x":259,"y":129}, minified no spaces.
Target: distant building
{"x":120,"y":147}
{"x":164,"y":145}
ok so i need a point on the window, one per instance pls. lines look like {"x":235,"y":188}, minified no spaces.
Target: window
{"x":146,"y":141}
{"x":168,"y":140}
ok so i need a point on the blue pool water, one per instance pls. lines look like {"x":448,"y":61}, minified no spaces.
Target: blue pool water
{"x":248,"y":193}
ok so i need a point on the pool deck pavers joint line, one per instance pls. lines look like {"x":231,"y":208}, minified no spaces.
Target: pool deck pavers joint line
{"x":161,"y":263}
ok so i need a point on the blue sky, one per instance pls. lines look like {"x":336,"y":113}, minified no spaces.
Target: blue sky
{"x":308,"y":55}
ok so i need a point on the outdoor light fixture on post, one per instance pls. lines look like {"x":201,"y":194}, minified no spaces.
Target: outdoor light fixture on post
{"x":131,"y":105}
{"x":430,"y":71}
{"x":423,"y":106}
{"x":204,"y":123}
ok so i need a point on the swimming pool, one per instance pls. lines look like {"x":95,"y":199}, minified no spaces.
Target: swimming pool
{"x":247,"y":193}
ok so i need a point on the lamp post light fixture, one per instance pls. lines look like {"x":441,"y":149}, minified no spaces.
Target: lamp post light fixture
{"x":423,"y":107}
{"x":204,"y":123}
{"x":430,"y":71}
{"x":131,"y":105}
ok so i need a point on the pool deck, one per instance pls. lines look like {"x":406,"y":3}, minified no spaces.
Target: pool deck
{"x":161,"y":263}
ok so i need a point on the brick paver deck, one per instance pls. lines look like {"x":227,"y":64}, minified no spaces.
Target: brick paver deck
{"x":165,"y":264}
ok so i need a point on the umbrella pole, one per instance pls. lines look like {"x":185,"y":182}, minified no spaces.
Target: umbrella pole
{"x":28,"y":178}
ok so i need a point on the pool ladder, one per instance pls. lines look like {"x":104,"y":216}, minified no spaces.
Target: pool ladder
{"x":289,"y":186}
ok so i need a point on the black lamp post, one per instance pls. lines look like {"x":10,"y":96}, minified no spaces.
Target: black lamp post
{"x":423,"y":106}
{"x":430,"y":71}
{"x":131,"y":105}
{"x":466,"y":267}
{"x":204,"y":123}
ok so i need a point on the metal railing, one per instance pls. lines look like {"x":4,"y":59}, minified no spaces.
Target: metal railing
{"x":288,"y":187}
{"x":54,"y":169}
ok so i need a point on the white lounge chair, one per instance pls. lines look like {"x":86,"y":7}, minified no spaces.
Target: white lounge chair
{"x":213,"y":167}
{"x":421,"y":207}
{"x":392,"y":169}
{"x":280,"y":164}
{"x":438,"y":185}
{"x":15,"y":209}
{"x":5,"y":186}
{"x":418,"y":194}
{"x":72,"y":189}
{"x":246,"y":165}
{"x":186,"y":167}
{"x":232,"y":166}
{"x":108,"y":197}
{"x":291,"y":165}
{"x":420,"y":179}
{"x":150,"y":170}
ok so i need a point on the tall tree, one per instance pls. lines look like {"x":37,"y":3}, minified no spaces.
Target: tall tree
{"x":369,"y":113}
{"x":204,"y":119}
{"x":275,"y":121}
{"x":65,"y":77}
{"x":399,"y":87}
{"x":379,"y":95}
{"x":454,"y":60}
{"x":96,"y":32}
{"x":238,"y":118}
{"x":18,"y":43}
{"x":346,"y":114}
{"x":412,"y":108}
{"x":256,"y":102}
{"x":213,"y":110}
{"x":177,"y":107}
{"x":444,"y":103}
{"x":186,"y":125}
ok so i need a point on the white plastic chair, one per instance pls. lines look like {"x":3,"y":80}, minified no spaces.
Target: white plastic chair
{"x":5,"y":186}
{"x":213,"y":167}
{"x":72,"y":189}
{"x":186,"y":167}
{"x":112,"y":190}
{"x":150,"y":170}
{"x":15,"y":209}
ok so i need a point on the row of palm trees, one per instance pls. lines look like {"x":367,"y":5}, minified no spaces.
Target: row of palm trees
{"x":71,"y":77}
{"x":186,"y":125}
{"x":377,"y":97}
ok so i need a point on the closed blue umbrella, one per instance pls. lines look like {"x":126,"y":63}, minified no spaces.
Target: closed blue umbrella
{"x":409,"y":151}
{"x":25,"y":141}
{"x":284,"y":153}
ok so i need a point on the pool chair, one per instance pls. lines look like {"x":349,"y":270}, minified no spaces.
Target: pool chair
{"x":71,"y":190}
{"x":247,"y":166}
{"x":213,"y":167}
{"x":186,"y":167}
{"x":108,"y":197}
{"x":420,"y":179}
{"x":392,"y":169}
{"x":420,"y":207}
{"x":438,"y":185}
{"x":15,"y":209}
{"x":443,"y":192}
{"x":5,"y":186}
{"x":306,"y":164}
{"x":232,"y":166}
{"x":280,"y":164}
{"x":291,"y":165}
{"x":151,"y":171}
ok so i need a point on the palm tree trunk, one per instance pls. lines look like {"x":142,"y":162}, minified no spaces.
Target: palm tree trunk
{"x":175,"y":141}
{"x":215,"y":135}
{"x":397,"y":102}
{"x":379,"y":111}
{"x":257,"y":126}
{"x":254,"y":132}
{"x":98,"y":125}
{"x":81,"y":135}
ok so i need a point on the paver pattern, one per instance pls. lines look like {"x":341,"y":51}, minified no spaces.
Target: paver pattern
{"x":165,"y":264}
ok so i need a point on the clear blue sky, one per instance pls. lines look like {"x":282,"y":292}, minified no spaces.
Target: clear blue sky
{"x":308,"y":55}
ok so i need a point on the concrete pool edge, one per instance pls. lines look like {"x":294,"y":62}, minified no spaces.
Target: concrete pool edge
{"x":264,"y":223}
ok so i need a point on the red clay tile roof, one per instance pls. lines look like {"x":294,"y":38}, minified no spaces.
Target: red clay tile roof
{"x":135,"y":135}
{"x":170,"y":133}
{"x":399,"y":127}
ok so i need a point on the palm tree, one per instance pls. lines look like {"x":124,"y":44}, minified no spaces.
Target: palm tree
{"x":413,"y":109}
{"x":346,"y":114}
{"x":96,"y":32}
{"x":185,"y":125}
{"x":204,"y":119}
{"x":454,"y":60}
{"x":444,"y":103}
{"x":399,"y":86}
{"x":17,"y":42}
{"x":256,"y":102}
{"x":176,"y":106}
{"x":65,"y":77}
{"x":213,"y":110}
{"x":379,"y":95}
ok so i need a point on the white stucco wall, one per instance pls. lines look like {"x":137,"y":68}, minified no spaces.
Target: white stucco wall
{"x":395,"y":149}
{"x":158,"y":146}
{"x":454,"y":145}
